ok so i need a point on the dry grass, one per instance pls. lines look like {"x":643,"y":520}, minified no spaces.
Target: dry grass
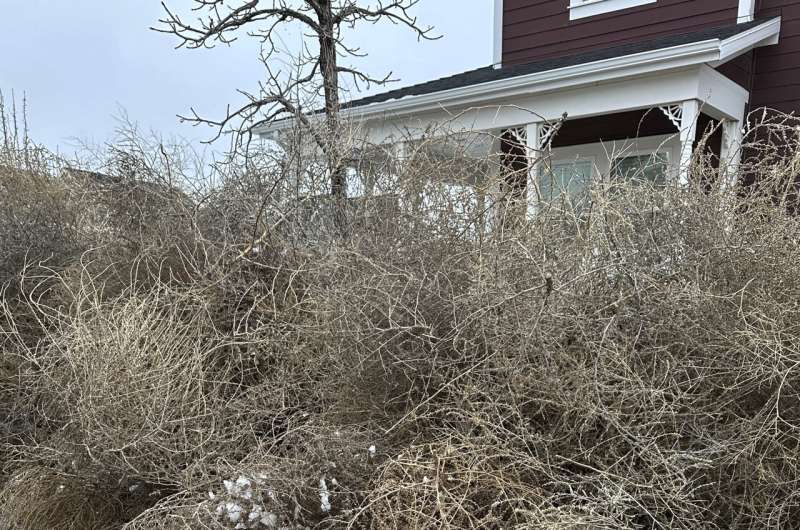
{"x":633,"y":364}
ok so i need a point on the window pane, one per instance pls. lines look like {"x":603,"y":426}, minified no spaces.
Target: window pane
{"x":650,"y":168}
{"x":565,"y":179}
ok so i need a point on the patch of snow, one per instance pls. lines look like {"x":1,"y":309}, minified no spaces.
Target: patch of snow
{"x":324,"y":496}
{"x":242,"y":504}
{"x":243,"y":482}
{"x":270,"y":520}
{"x":234,"y":512}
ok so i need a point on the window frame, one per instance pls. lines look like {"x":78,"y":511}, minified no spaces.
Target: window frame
{"x":579,"y":9}
{"x":547,"y":165}
{"x":536,"y":203}
{"x":662,"y":150}
{"x":602,"y":155}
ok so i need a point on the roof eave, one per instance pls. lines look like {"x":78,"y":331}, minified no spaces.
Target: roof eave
{"x":711,"y":51}
{"x":765,"y":34}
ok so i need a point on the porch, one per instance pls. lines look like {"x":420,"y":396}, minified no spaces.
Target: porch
{"x":635,"y":108}
{"x":650,"y":121}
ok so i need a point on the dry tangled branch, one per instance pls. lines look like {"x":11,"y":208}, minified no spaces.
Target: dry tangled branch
{"x":628,"y":359}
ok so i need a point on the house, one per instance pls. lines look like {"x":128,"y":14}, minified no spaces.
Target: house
{"x":638,"y":82}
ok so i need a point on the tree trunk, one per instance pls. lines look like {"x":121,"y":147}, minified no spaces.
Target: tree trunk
{"x":330,"y":79}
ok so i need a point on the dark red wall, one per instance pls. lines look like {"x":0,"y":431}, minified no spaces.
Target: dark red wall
{"x":776,"y":83}
{"x":538,"y":29}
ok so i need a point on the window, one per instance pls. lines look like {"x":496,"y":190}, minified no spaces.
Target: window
{"x":644,"y":168}
{"x":588,"y":8}
{"x":565,"y":180}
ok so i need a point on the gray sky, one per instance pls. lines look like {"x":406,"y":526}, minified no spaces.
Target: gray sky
{"x":81,"y":61}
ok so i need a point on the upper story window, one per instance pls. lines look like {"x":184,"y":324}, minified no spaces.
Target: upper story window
{"x":587,"y":8}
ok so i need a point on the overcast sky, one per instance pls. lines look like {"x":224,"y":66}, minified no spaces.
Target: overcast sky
{"x":81,"y":61}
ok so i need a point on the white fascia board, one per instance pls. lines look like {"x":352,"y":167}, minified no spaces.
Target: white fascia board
{"x":550,"y":80}
{"x":711,"y":51}
{"x":639,"y":92}
{"x":764,"y":34}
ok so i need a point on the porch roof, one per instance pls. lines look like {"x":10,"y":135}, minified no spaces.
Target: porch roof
{"x":553,"y":79}
{"x":488,"y":74}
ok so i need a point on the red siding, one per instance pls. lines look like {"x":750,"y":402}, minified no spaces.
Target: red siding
{"x":739,"y":70}
{"x":776,"y":83}
{"x":538,"y":29}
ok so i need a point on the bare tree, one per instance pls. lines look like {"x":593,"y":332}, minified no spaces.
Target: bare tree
{"x":316,"y":72}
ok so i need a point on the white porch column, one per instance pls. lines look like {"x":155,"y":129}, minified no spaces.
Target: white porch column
{"x":731,"y":152}
{"x":400,"y":150}
{"x":538,"y":138}
{"x":690,"y":110}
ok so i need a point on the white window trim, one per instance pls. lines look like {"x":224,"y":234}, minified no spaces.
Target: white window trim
{"x":497,"y":36}
{"x":603,"y":154}
{"x":664,"y":149}
{"x":588,"y":8}
{"x":747,"y":11}
{"x":549,"y":163}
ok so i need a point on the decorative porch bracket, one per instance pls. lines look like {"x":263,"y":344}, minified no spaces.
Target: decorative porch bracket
{"x":674,"y":113}
{"x":547,"y":131}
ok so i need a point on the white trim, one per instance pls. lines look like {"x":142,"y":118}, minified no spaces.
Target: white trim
{"x":688,"y":132}
{"x":765,"y":34}
{"x":562,"y":161}
{"x":661,"y":149}
{"x":588,"y":8}
{"x":720,"y":97}
{"x":653,"y":153}
{"x":747,"y":10}
{"x":498,"y":34}
{"x":548,"y":81}
{"x":536,"y":156}
{"x":712,"y":52}
{"x":731,"y":152}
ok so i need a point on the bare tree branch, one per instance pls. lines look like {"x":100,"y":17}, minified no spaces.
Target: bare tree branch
{"x":316,"y":67}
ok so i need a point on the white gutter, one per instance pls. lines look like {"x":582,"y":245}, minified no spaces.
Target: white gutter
{"x":762,"y":35}
{"x":712,"y":52}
